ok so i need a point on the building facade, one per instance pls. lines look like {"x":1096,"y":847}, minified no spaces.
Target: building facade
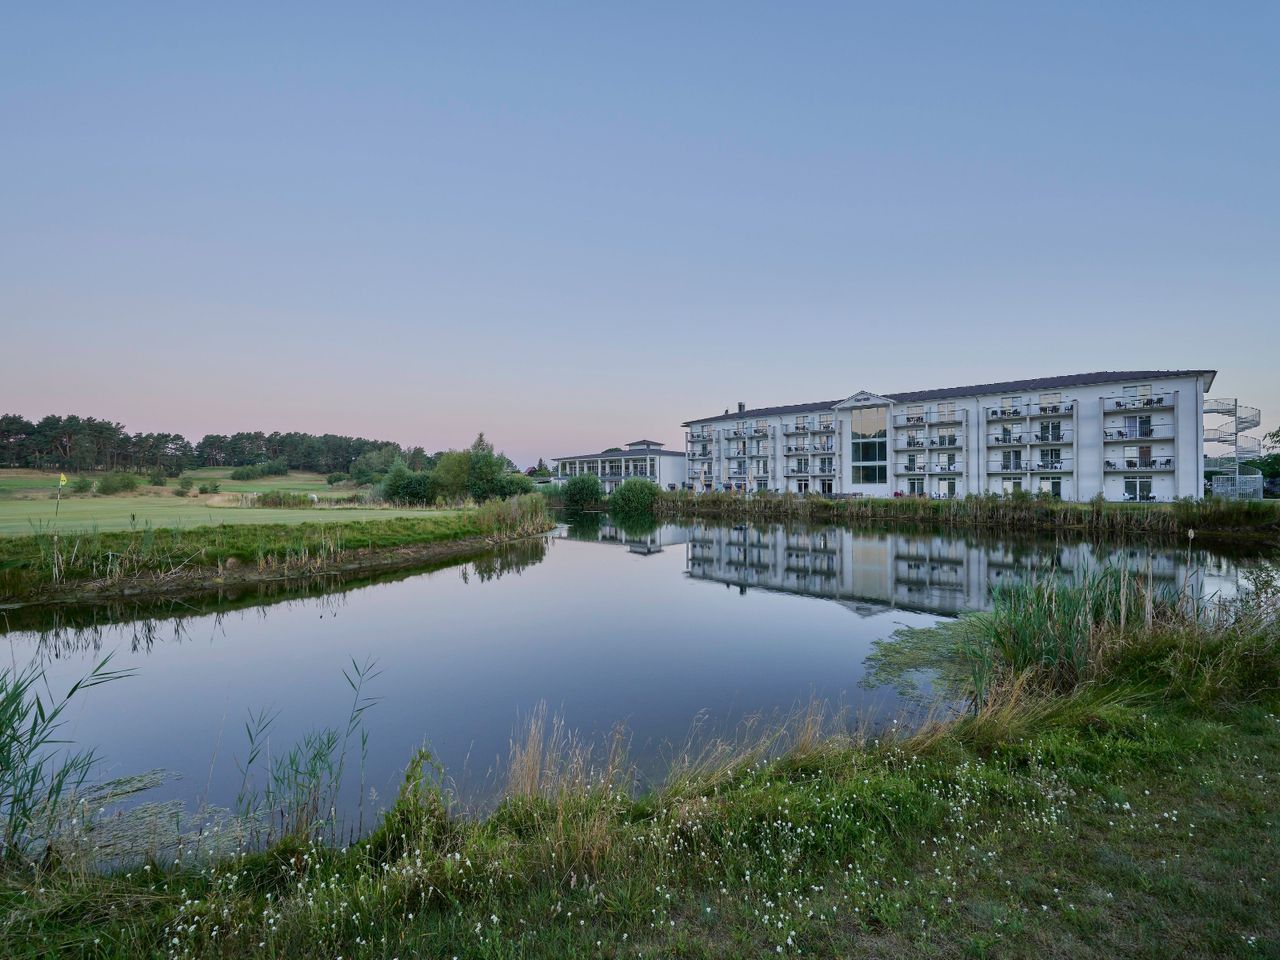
{"x":1128,"y":435}
{"x":641,"y":458}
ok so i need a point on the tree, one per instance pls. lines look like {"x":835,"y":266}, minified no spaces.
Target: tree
{"x":541,"y":470}
{"x":634,"y":498}
{"x":582,"y":493}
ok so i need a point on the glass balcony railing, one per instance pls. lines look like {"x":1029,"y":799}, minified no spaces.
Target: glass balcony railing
{"x":1151,"y":432}
{"x":1155,"y":401}
{"x":1139,"y":463}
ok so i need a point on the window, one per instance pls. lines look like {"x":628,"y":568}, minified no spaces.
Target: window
{"x":825,"y":465}
{"x":1048,"y":399}
{"x":1011,"y":460}
{"x":1010,"y":485}
{"x":1138,"y":488}
{"x":915,"y":486}
{"x":1010,"y":403}
{"x":870,"y":450}
{"x":1052,"y":486}
{"x":802,"y":486}
{"x":1140,"y":390}
{"x":947,"y":437}
{"x":802,"y":464}
{"x":947,"y":410}
{"x":870,"y":473}
{"x":828,"y":486}
{"x":947,"y":488}
{"x":762,"y":425}
{"x":948,"y":461}
{"x":762,"y":466}
{"x":802,"y":422}
{"x":762,"y":485}
{"x":911,"y":461}
{"x":1051,"y":430}
{"x":1135,"y":427}
{"x":825,"y":419}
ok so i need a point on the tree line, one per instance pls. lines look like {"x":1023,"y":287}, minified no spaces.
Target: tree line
{"x":79,"y":444}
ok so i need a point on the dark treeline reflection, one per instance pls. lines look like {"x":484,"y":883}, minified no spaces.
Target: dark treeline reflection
{"x":71,"y":630}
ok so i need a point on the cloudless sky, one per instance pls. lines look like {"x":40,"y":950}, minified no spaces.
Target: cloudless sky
{"x":573,"y":226}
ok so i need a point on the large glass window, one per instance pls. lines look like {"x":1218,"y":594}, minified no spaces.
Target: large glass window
{"x":870,"y":450}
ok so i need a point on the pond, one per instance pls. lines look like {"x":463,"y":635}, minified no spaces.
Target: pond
{"x":650,"y":630}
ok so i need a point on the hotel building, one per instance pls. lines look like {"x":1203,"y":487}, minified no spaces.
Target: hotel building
{"x":641,"y":458}
{"x":1129,"y":435}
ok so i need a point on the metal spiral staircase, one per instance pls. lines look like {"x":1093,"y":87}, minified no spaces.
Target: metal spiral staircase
{"x":1234,"y":480}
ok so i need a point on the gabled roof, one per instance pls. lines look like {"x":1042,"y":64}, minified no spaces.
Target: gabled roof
{"x":652,"y":443}
{"x":622,"y":455}
{"x":979,"y":389}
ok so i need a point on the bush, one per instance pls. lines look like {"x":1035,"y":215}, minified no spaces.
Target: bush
{"x":337,"y":477}
{"x":213,"y":486}
{"x":635,"y":498}
{"x":117,"y":481}
{"x":582,"y":493}
{"x":514,"y":485}
{"x":284,"y":498}
{"x":82,"y":484}
{"x":278,"y":467}
{"x":404,"y":486}
{"x":157,"y":478}
{"x":180,"y":492}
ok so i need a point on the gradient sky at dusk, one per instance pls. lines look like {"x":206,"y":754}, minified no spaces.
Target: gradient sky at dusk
{"x":572,"y":226}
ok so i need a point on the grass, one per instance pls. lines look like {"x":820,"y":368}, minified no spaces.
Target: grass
{"x":54,"y":562}
{"x":1126,"y":809}
{"x":1099,"y":518}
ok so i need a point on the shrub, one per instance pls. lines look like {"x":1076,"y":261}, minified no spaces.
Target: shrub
{"x":180,"y":492}
{"x":514,"y":485}
{"x":405,"y":486}
{"x":213,"y":486}
{"x":157,"y":478}
{"x":283,"y":498}
{"x":582,"y":493}
{"x":635,"y":498}
{"x":337,"y":477}
{"x":270,"y":468}
{"x":185,"y":484}
{"x":117,"y":481}
{"x":82,"y":484}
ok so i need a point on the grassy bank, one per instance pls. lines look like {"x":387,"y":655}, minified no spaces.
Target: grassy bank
{"x":56,"y":565}
{"x":1113,"y":792}
{"x":1258,"y":518}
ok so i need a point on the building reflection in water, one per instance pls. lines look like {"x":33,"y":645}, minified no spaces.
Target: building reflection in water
{"x":927,"y":572}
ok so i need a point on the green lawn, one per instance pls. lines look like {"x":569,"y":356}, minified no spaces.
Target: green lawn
{"x":26,"y":505}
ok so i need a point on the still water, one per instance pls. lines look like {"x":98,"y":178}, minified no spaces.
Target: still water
{"x":650,"y":630}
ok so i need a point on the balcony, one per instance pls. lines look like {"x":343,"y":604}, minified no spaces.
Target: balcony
{"x":1129,"y":463}
{"x":796,"y":428}
{"x":1006,"y":413}
{"x":1007,"y":466}
{"x":1052,"y":436}
{"x":909,"y":443}
{"x":948,"y":468}
{"x":796,"y":472}
{"x":759,"y":431}
{"x":1007,"y":440}
{"x":909,"y":470}
{"x":1053,"y":409}
{"x":798,"y":448}
{"x":825,"y":428}
{"x":1157,"y":401}
{"x":951,"y":441}
{"x":824,"y":471}
{"x":1059,"y":465}
{"x":920,"y":419}
{"x":1154,"y":432}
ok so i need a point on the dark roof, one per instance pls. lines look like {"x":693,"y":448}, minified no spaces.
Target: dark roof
{"x":946,"y":393}
{"x":622,"y":454}
{"x":637,"y":442}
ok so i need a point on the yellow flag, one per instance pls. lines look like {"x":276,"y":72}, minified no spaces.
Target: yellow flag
{"x":62,"y":479}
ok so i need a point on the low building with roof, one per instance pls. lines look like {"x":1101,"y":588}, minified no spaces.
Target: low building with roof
{"x":1127,"y":435}
{"x":640,"y":458}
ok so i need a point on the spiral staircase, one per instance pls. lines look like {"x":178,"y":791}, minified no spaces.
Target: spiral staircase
{"x":1233,"y":479}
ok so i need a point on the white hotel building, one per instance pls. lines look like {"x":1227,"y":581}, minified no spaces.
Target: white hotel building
{"x":1129,"y":435}
{"x":642,"y":458}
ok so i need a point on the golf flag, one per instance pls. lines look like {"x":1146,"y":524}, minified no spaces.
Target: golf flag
{"x":62,"y":479}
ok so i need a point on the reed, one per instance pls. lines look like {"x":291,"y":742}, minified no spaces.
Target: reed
{"x":1096,"y":517}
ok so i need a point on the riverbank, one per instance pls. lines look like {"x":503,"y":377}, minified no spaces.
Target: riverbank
{"x":1113,"y":794}
{"x":57,"y":568}
{"x":1258,"y":519}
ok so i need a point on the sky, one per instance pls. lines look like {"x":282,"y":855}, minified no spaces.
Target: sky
{"x":574,"y":226}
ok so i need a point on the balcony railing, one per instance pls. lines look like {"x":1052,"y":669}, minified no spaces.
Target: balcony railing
{"x":1156,"y":401}
{"x":1129,"y":463}
{"x":1053,"y":409}
{"x":905,"y":469}
{"x":825,"y":428}
{"x":1006,"y":413}
{"x":759,"y":431}
{"x":932,"y":416}
{"x":797,"y":472}
{"x":1058,"y":465}
{"x":956,"y":467}
{"x":795,"y":428}
{"x":950,"y":441}
{"x":1007,"y":439}
{"x":909,"y":443}
{"x":1007,"y":466}
{"x":1051,"y":436}
{"x":1154,"y":432}
{"x":824,"y":471}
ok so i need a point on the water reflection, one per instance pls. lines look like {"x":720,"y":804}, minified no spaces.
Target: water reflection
{"x":931,"y":572}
